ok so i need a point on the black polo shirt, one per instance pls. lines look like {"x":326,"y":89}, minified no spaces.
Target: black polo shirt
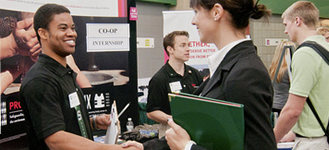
{"x":159,"y":87}
{"x":44,"y":96}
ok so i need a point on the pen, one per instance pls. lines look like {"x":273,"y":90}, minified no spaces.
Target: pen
{"x":123,"y":110}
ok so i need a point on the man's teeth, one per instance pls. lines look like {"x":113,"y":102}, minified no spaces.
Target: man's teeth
{"x":70,"y":42}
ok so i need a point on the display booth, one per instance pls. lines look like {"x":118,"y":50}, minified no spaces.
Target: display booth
{"x":105,"y":53}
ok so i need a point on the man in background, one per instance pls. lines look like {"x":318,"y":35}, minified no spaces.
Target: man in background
{"x":175,"y":75}
{"x":309,"y":80}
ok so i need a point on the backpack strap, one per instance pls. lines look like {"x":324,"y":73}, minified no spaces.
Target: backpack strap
{"x":316,"y":116}
{"x":318,"y":48}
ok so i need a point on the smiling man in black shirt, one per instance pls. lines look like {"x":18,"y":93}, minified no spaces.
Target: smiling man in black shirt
{"x":52,"y":101}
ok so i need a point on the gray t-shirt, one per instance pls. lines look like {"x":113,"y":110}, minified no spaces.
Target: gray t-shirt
{"x":281,"y":91}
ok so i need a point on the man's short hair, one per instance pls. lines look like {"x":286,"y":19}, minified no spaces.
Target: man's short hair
{"x":305,"y":10}
{"x":169,"y":39}
{"x":45,"y":14}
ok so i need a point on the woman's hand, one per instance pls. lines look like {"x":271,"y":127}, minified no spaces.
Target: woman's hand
{"x":134,"y":144}
{"x":176,"y":136}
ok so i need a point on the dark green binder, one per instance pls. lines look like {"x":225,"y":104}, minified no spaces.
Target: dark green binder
{"x":211,"y":123}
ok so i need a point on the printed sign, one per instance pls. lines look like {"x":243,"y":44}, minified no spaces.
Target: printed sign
{"x":13,"y":128}
{"x":145,"y":42}
{"x":273,"y":42}
{"x":97,"y":102}
{"x":107,"y":37}
{"x":133,"y":14}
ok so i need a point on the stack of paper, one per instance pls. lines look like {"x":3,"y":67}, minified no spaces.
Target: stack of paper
{"x":113,"y":129}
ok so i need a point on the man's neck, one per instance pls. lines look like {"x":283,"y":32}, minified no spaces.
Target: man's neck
{"x":177,"y":65}
{"x":59,"y":59}
{"x":305,"y":34}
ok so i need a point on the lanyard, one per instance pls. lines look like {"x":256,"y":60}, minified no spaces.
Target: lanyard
{"x":75,"y":103}
{"x":80,"y":121}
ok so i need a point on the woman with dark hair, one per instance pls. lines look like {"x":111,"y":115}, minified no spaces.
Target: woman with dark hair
{"x":236,"y":72}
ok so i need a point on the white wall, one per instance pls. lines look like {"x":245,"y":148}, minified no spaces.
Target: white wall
{"x":150,"y":25}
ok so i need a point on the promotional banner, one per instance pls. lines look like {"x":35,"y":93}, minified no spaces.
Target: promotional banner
{"x":182,"y":20}
{"x":13,"y":128}
{"x":102,"y":54}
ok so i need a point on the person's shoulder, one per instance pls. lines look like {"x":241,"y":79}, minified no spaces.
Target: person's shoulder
{"x":39,"y":70}
{"x":163,"y":71}
{"x":249,"y":66}
{"x":307,"y":49}
{"x":318,"y":39}
{"x":39,"y":73}
{"x":37,"y":83}
{"x":323,"y":43}
{"x":159,"y":75}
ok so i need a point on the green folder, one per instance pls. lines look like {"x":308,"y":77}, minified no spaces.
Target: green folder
{"x":211,"y":123}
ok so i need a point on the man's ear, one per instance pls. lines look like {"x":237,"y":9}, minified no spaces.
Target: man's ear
{"x":217,"y":11}
{"x":170,"y":49}
{"x":43,"y":33}
{"x":298,"y":21}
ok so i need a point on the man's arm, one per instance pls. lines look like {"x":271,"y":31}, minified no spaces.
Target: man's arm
{"x":289,"y":115}
{"x":6,"y":79}
{"x":157,"y":98}
{"x":62,"y":140}
{"x":158,"y":116}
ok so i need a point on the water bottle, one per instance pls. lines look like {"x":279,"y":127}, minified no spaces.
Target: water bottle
{"x":129,"y":125}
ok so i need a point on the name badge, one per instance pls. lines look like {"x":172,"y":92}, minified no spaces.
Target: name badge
{"x":74,"y":99}
{"x":175,"y":86}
